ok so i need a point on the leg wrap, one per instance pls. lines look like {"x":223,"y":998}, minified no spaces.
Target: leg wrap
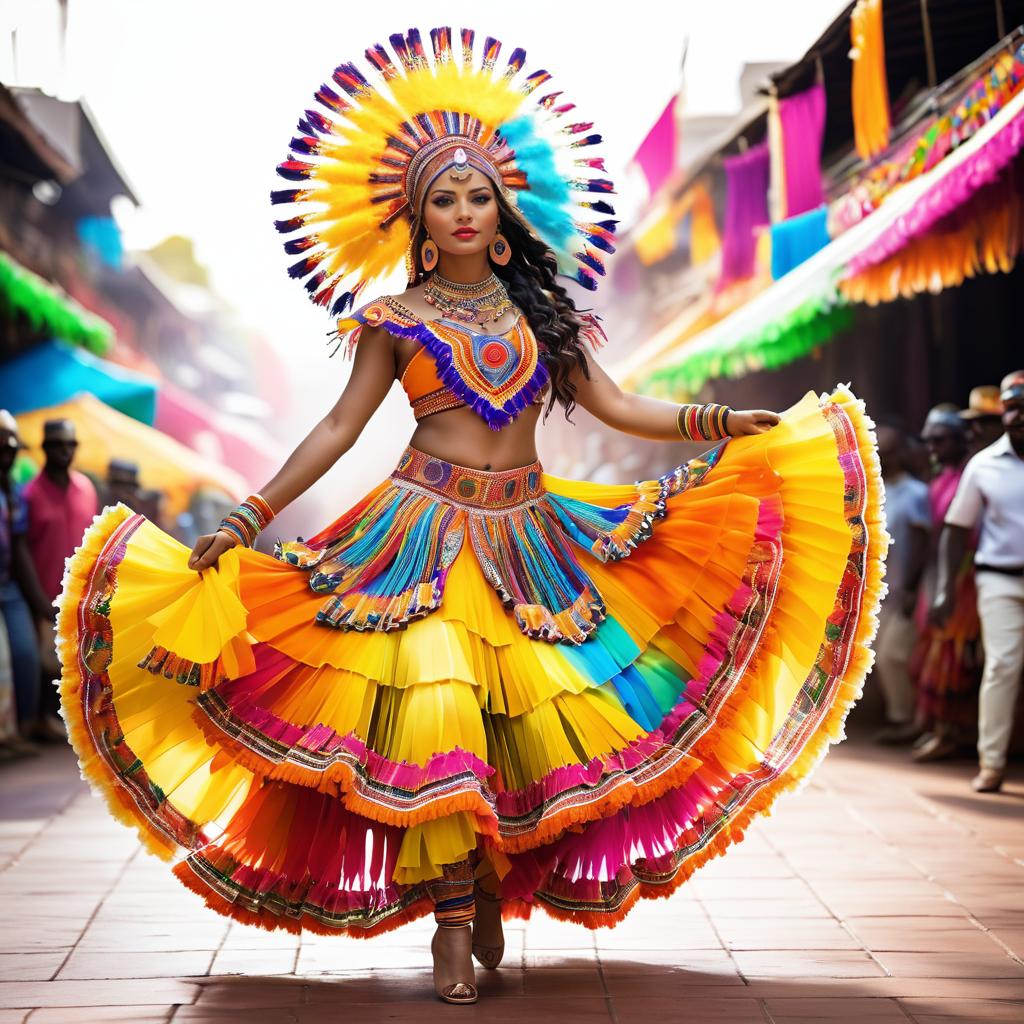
{"x":452,"y":894}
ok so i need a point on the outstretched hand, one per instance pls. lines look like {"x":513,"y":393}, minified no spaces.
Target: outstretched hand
{"x":209,"y":548}
{"x":750,"y":421}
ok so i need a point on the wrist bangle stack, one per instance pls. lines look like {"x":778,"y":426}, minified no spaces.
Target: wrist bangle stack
{"x":248,"y":520}
{"x":703,"y":422}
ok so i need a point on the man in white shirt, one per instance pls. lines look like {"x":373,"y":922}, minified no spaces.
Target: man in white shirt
{"x":991,"y":494}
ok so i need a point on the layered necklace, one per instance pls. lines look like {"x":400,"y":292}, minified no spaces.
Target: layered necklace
{"x":481,"y":302}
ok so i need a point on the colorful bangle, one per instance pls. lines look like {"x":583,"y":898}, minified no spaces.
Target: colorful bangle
{"x":248,"y":520}
{"x":703,"y":422}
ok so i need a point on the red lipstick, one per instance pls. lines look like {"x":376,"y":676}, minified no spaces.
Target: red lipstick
{"x":465,"y":233}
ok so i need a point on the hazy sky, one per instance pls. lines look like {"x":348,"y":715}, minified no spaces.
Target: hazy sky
{"x":199,"y":99}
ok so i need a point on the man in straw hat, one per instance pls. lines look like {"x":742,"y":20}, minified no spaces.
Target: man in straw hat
{"x":991,"y":495}
{"x":982,"y":416}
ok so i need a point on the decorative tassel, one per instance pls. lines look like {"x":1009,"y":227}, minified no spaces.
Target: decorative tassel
{"x":592,"y":185}
{"x":295,"y":170}
{"x":306,"y":265}
{"x":351,"y":79}
{"x":342,"y":303}
{"x":590,"y":260}
{"x":578,"y":127}
{"x":595,"y":163}
{"x":468,"y":36}
{"x":441,"y":38}
{"x":306,"y":144}
{"x":492,"y":47}
{"x":534,"y":81}
{"x":290,"y":195}
{"x":598,"y":206}
{"x":330,"y":99}
{"x":294,"y":246}
{"x":315,"y":282}
{"x":319,"y":123}
{"x":415,"y":43}
{"x":588,"y":140}
{"x":380,"y":59}
{"x":515,"y":62}
{"x":285,"y":226}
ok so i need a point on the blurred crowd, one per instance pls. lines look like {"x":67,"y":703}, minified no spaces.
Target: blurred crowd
{"x":41,"y":524}
{"x":950,"y":645}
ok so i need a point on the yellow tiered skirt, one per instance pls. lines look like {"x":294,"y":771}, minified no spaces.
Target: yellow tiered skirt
{"x":595,"y":688}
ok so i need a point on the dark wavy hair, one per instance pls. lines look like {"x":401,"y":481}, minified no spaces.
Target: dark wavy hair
{"x":529,"y":277}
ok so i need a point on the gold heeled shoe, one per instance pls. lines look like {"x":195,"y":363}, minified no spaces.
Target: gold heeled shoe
{"x":488,"y":956}
{"x":458,"y":993}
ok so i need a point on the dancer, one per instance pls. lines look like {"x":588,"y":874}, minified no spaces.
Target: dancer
{"x":482,"y":690}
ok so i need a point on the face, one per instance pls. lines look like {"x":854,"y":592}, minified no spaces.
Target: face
{"x":60,"y":454}
{"x":461,"y":216}
{"x":945,"y":446}
{"x":891,"y":450}
{"x":1013,"y":421}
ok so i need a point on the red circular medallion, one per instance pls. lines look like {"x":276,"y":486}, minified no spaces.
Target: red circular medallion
{"x":494,"y":354}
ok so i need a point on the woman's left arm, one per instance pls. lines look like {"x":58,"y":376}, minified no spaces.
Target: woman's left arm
{"x":650,"y":418}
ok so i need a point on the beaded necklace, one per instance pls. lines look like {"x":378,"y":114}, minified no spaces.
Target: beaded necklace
{"x":480,"y":302}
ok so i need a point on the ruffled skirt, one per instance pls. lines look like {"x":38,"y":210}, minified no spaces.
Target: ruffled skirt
{"x":593,"y":688}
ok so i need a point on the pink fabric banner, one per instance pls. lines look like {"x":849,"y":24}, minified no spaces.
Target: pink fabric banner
{"x":746,"y":209}
{"x":656,"y":156}
{"x":803,"y":126}
{"x":952,"y":190}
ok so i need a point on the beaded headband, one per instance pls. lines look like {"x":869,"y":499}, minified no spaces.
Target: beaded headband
{"x":365,"y":168}
{"x":455,"y":153}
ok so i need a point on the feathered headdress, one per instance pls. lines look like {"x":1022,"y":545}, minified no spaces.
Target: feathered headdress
{"x":357,"y":200}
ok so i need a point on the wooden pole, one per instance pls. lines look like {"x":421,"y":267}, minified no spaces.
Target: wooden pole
{"x":929,"y":47}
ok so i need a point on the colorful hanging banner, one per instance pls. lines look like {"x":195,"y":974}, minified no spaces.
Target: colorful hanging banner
{"x":657,"y":154}
{"x":802,"y":126}
{"x":869,"y":89}
{"x":746,"y":210}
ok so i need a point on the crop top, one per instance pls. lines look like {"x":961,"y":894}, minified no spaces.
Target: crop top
{"x":496,"y":375}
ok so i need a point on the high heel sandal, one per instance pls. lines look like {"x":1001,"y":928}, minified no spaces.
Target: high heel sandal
{"x":488,"y":956}
{"x":459,"y":993}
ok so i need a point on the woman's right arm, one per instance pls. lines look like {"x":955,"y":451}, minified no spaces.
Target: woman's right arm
{"x":373,"y":373}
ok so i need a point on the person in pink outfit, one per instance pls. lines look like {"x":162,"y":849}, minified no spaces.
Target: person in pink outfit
{"x":945,"y":666}
{"x":61,"y":504}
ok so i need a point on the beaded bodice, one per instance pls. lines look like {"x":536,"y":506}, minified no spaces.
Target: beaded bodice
{"x":496,"y":375}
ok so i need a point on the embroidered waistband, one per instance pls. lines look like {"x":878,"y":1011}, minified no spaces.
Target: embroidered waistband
{"x":461,"y":485}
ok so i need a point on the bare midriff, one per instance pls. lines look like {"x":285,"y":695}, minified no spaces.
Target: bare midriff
{"x":462,"y":437}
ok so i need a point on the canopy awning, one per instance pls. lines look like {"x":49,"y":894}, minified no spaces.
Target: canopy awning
{"x":164,"y":464}
{"x":804,"y":308}
{"x":54,"y":372}
{"x":49,"y":309}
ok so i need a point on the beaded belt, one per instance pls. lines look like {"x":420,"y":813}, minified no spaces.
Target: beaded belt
{"x":474,"y":488}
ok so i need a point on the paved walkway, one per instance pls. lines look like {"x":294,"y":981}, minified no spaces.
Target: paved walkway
{"x":883,"y":893}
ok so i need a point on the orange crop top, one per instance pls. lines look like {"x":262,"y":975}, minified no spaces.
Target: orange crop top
{"x":496,"y":375}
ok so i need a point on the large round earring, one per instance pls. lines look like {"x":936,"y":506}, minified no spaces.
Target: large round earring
{"x":428,"y":254}
{"x":499,"y":249}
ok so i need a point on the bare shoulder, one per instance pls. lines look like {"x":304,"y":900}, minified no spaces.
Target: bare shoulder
{"x":412,"y":300}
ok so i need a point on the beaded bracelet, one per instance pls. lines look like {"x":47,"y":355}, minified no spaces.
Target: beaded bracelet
{"x":703,"y":422}
{"x":248,"y":520}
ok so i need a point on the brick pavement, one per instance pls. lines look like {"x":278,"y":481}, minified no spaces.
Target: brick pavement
{"x":883,"y":893}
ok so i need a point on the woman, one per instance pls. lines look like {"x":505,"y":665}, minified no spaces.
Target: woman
{"x":946,"y":665}
{"x":481,"y":689}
